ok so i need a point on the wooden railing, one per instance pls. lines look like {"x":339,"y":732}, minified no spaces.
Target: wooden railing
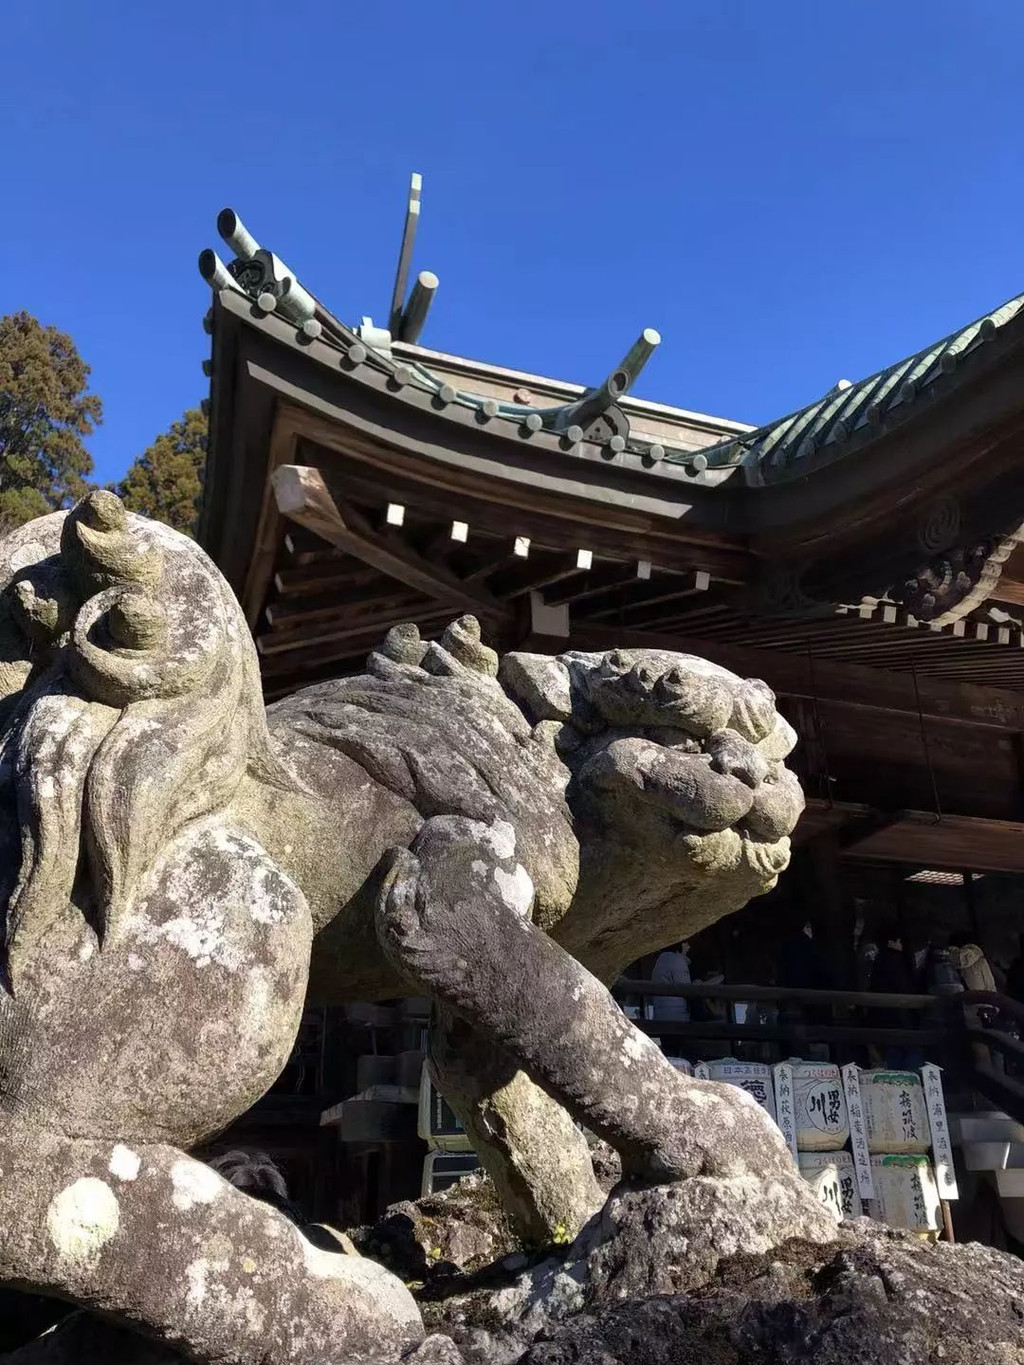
{"x":974,"y":1055}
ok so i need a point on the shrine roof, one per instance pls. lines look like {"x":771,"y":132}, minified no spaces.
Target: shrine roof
{"x":637,"y":433}
{"x":851,"y":415}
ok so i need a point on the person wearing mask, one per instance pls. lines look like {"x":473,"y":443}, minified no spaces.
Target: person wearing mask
{"x":672,"y":968}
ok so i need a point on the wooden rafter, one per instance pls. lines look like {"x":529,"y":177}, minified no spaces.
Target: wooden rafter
{"x":503,"y":499}
{"x":286,"y":618}
{"x":685,"y":585}
{"x":613,"y":578}
{"x":354,"y":643}
{"x":302,"y":495}
{"x":375,"y":616}
{"x":261,"y":564}
{"x":554,"y":567}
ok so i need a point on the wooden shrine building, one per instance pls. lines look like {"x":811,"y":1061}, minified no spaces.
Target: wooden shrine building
{"x":863,"y":555}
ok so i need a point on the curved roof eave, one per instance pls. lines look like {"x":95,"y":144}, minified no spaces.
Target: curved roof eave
{"x":595,"y":417}
{"x":594,"y":423}
{"x":852,"y":416}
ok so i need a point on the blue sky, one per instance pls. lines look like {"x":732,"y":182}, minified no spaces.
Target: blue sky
{"x":791,"y":192}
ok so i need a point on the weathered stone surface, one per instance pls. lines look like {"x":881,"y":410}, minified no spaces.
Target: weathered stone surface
{"x":645,"y":1284}
{"x":166,"y":859}
{"x":537,"y":1158}
{"x":82,"y":1339}
{"x":147,"y":1233}
{"x":882,"y":1298}
{"x":455,"y":899}
{"x":462,"y":1228}
{"x":434,"y":1350}
{"x":669,"y":1239}
{"x":154,"y":955}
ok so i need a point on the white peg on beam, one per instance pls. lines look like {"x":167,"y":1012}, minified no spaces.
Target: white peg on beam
{"x":459,"y":532}
{"x":643,"y":568}
{"x":584,"y":559}
{"x":701,"y":581}
{"x":395,"y":514}
{"x":521,"y":548}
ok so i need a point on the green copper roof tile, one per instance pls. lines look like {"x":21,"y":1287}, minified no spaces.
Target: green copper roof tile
{"x":852,"y":415}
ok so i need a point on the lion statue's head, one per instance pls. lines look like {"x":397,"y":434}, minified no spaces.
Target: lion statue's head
{"x":680,"y":796}
{"x":130,"y":704}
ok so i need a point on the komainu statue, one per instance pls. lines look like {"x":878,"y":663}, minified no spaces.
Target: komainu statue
{"x":179,"y":867}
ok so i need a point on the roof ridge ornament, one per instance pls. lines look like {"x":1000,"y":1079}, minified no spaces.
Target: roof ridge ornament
{"x":599,"y":406}
{"x":406,"y":319}
{"x":258,"y":273}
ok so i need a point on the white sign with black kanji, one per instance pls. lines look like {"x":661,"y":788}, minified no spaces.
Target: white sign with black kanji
{"x":784,"y":1113}
{"x":858,"y":1132}
{"x":942,"y":1148}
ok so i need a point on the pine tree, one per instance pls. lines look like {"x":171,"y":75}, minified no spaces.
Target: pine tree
{"x":45,"y":411}
{"x":165,"y":481}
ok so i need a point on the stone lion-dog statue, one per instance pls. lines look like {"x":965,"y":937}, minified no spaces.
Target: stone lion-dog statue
{"x":181,"y":868}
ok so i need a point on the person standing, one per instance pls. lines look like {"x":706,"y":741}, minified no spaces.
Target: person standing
{"x":672,"y":968}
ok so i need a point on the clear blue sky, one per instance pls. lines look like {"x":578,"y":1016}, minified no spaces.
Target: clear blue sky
{"x":791,"y":192}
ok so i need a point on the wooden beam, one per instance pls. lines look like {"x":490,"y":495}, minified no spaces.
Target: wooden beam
{"x":615,"y":577}
{"x":342,"y":626}
{"x":844,"y":684}
{"x":345,"y":645}
{"x":689,"y":585}
{"x":553,"y":568}
{"x":956,"y":842}
{"x":486,"y":494}
{"x":261,"y":563}
{"x":349,"y":576}
{"x":336,"y":607}
{"x":301,"y":495}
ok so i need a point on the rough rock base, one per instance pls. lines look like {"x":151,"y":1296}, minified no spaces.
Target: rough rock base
{"x":678,"y":1275}
{"x":881,"y":1298}
{"x":658,"y":1279}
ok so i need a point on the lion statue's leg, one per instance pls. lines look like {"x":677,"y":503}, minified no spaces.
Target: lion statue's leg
{"x":163,"y":1244}
{"x":537,"y":1158}
{"x":454,"y":917}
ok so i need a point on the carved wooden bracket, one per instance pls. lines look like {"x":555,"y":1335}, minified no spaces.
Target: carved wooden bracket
{"x":959,"y":574}
{"x":955,"y":575}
